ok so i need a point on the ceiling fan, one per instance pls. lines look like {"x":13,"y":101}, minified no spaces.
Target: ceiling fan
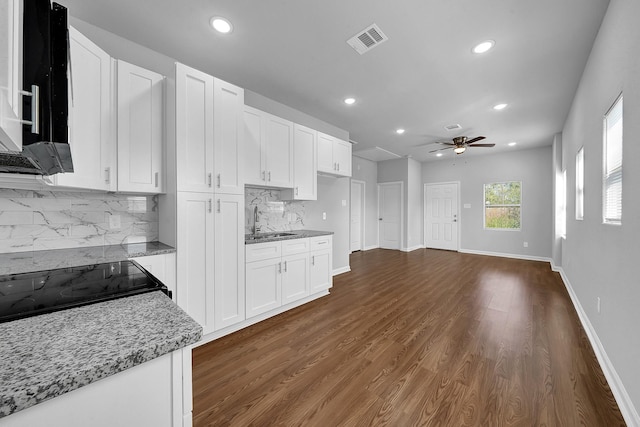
{"x":461,"y":143}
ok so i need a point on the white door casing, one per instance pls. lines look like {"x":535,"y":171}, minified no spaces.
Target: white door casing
{"x":357,"y":215}
{"x":390,"y":213}
{"x":441,"y":216}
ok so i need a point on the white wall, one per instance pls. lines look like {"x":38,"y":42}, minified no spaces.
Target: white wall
{"x":556,"y":171}
{"x":601,"y":260}
{"x":414,"y":214}
{"x":532,"y":167}
{"x":367,"y":171}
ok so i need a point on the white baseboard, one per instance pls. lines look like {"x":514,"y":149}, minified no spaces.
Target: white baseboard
{"x":412,"y":248}
{"x":368,"y":248}
{"x":341,"y":270}
{"x":625,"y":404}
{"x":504,"y":255}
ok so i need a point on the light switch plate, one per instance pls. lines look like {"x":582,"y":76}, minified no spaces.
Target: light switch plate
{"x":114,"y":222}
{"x":467,"y":205}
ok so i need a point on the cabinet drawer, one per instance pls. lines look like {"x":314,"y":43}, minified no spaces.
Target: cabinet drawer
{"x":295,"y":246}
{"x":320,"y":242}
{"x":260,"y":251}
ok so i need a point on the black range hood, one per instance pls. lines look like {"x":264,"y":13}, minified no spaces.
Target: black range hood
{"x":45,"y":139}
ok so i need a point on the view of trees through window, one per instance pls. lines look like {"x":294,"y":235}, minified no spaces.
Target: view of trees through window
{"x":502,"y":205}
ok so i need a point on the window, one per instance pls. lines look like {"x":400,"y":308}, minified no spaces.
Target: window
{"x":561,"y":202}
{"x":612,"y":170}
{"x":580,"y":184}
{"x":502,"y":205}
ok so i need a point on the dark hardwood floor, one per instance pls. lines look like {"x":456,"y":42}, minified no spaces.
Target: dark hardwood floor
{"x":405,"y":339}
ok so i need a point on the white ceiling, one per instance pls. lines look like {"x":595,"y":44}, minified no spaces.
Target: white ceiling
{"x":422,"y":79}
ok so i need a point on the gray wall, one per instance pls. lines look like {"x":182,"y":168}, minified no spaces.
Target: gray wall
{"x":367,"y":171}
{"x":600,"y":260}
{"x":532,"y":167}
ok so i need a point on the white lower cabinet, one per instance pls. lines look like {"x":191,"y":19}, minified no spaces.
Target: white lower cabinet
{"x":283,"y":272}
{"x":321,"y":264}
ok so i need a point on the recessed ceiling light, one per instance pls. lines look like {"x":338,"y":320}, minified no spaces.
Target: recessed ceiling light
{"x":500,"y":106}
{"x":349,"y":101}
{"x":483,"y":47}
{"x":399,"y":131}
{"x":221,"y":25}
{"x":511,"y":144}
{"x":439,"y":155}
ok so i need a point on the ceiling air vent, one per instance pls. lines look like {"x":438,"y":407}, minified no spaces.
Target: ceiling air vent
{"x":453,"y":127}
{"x":367,"y":39}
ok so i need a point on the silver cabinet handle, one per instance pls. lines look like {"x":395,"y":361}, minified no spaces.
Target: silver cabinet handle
{"x":156,"y":179}
{"x":279,"y":267}
{"x":107,"y":175}
{"x":285,"y":266}
{"x":338,"y":166}
{"x":35,"y":109}
{"x":210,"y":206}
{"x":269,"y":176}
{"x":313,"y":260}
{"x":219,"y":206}
{"x":296,"y":191}
{"x":264,"y":178}
{"x":219,"y":180}
{"x":209,"y":180}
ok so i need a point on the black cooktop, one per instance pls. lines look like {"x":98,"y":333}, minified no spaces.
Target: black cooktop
{"x":29,"y":294}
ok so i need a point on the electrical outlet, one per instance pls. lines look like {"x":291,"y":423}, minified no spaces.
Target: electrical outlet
{"x":525,"y":244}
{"x":324,"y":215}
{"x":598,"y":305}
{"x":344,"y":203}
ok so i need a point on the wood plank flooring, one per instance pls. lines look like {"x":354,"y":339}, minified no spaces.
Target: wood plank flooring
{"x":406,"y":339}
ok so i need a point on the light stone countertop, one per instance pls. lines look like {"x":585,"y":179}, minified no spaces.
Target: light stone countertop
{"x":292,"y":234}
{"x":26,"y":262}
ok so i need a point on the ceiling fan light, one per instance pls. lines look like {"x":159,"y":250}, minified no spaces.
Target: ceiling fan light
{"x":459,"y":150}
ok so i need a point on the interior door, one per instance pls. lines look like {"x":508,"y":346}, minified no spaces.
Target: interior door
{"x":390,"y":215}
{"x":356,"y":215}
{"x":441,"y":216}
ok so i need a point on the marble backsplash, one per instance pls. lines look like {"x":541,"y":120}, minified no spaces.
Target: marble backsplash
{"x":274,"y":214}
{"x":40,"y":220}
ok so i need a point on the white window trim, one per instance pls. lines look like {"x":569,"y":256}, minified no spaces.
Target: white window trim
{"x":484,"y":208}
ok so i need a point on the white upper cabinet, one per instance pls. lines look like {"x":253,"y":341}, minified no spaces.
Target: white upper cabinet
{"x":194,"y":129}
{"x":228,"y":130}
{"x":140,"y":129}
{"x":10,"y":75}
{"x":269,"y":149}
{"x":91,"y":118}
{"x":305,"y":179}
{"x":209,"y":133}
{"x":334,"y":155}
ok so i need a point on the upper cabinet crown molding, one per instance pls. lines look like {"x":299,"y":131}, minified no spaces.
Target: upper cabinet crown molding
{"x":140,"y":129}
{"x":209,"y":133}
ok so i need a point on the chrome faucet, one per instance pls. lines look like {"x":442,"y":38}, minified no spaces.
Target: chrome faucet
{"x":256,"y":228}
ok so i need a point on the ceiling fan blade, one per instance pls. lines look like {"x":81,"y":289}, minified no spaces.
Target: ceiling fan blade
{"x":446,"y":143}
{"x":477,"y":138}
{"x":482,"y":145}
{"x":440,"y":149}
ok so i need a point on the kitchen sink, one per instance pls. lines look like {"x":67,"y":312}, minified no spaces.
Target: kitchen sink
{"x":269,"y":236}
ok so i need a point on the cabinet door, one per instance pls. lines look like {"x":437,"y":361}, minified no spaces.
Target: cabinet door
{"x":325,"y":153}
{"x":279,"y":151}
{"x":228,"y":145}
{"x":194,"y":129}
{"x":320,"y":271}
{"x":195,"y":246}
{"x":229,"y":260}
{"x":140,"y":129}
{"x":10,"y":75}
{"x":295,"y":277}
{"x":263,"y":285}
{"x":342,"y":157}
{"x":305,"y":172}
{"x":91,"y":119}
{"x":254,"y":167}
